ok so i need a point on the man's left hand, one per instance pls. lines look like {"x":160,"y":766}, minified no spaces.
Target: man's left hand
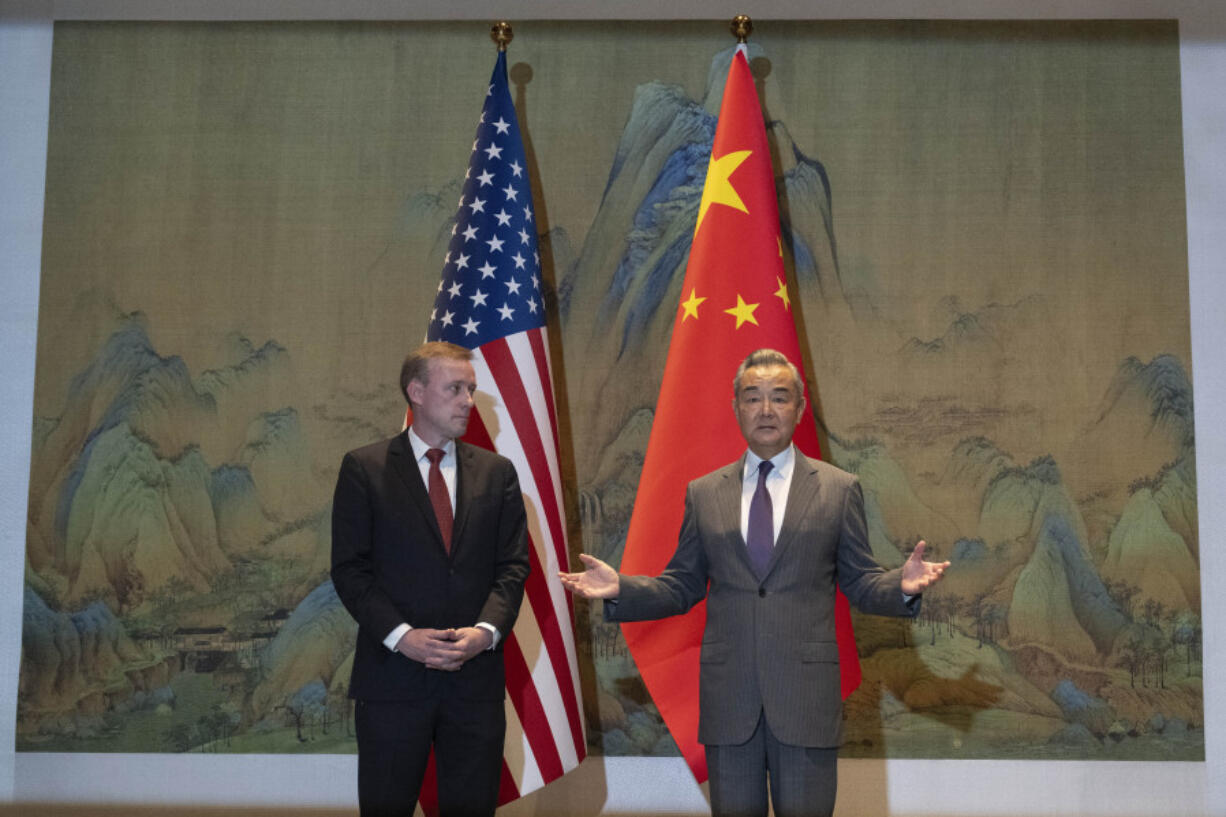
{"x":917,"y":575}
{"x":471,"y":640}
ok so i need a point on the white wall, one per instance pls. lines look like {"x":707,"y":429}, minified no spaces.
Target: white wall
{"x":625,"y":785}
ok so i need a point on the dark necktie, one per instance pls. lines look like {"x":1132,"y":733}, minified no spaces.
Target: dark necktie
{"x":760,"y":537}
{"x":439,"y":497}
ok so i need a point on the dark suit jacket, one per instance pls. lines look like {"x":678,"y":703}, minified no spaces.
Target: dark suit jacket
{"x":769,"y":644}
{"x":389,"y":565}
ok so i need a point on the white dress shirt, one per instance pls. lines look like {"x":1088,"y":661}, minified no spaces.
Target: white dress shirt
{"x":448,"y":466}
{"x":778,"y":483}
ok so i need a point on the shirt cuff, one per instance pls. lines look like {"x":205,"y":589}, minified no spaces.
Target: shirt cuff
{"x":485,"y":625}
{"x":393,"y":638}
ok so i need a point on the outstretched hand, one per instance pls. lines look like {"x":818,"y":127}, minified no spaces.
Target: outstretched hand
{"x":918,"y":575}
{"x":599,"y":581}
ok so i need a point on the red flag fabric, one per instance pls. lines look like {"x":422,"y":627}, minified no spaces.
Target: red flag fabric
{"x":734,"y":299}
{"x":489,"y":300}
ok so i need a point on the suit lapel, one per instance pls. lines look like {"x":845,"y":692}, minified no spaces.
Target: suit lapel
{"x":728,"y":502}
{"x":463,"y":491}
{"x":406,"y":467}
{"x":801,"y":495}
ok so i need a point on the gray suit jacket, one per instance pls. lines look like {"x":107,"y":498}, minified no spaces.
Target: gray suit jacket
{"x":769,"y":644}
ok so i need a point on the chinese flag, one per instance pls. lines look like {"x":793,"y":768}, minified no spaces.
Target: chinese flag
{"x":734,"y":300}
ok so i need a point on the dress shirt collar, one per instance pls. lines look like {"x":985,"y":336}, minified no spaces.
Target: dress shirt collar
{"x":783,"y":462}
{"x":420,"y":447}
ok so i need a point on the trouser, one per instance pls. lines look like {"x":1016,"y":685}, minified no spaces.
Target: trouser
{"x":802,"y":779}
{"x":394,"y":742}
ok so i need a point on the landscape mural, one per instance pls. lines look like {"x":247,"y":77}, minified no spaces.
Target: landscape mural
{"x":984,"y":225}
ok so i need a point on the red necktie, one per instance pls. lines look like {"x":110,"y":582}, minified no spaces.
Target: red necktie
{"x":439,"y":497}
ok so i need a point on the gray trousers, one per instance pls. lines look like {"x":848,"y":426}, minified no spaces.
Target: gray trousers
{"x":802,"y":779}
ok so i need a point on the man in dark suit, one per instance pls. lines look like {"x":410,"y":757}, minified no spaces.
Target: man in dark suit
{"x":429,"y":555}
{"x":765,"y":539}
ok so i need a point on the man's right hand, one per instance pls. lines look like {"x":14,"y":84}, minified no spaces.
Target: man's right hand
{"x":599,"y":581}
{"x":437,"y":649}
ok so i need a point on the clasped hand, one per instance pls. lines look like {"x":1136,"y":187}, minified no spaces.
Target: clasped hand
{"x":444,"y":649}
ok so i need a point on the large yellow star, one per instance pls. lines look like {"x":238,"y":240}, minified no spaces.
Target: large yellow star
{"x":718,"y":190}
{"x":782,"y":294}
{"x":743,"y":312}
{"x":691,"y":306}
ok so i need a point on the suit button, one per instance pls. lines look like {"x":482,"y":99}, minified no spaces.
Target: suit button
{"x":762,"y":592}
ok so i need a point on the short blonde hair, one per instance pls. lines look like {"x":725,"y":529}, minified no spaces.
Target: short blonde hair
{"x":416,"y":365}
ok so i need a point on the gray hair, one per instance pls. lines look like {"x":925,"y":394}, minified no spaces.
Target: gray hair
{"x":768,"y":357}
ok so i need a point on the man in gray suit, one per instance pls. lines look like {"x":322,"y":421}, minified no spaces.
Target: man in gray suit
{"x":765,"y":539}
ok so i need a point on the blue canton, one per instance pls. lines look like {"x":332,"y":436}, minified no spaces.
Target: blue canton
{"x":491,"y":283}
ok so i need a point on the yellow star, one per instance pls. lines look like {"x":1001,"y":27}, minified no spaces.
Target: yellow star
{"x":691,"y":306}
{"x":718,"y":190}
{"x":782,"y":294}
{"x":743,"y":312}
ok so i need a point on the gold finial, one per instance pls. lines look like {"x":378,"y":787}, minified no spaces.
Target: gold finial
{"x":741,"y":27}
{"x":501,"y":34}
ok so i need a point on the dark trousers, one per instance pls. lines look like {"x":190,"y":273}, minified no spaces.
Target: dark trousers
{"x":394,"y":742}
{"x":802,"y":779}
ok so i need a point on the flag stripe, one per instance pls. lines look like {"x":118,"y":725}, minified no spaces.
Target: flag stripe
{"x":555,"y":669}
{"x":531,"y":713}
{"x":507,"y":789}
{"x":515,"y":751}
{"x":532,"y":384}
{"x":518,"y":756}
{"x":548,"y":690}
{"x":507,"y":375}
{"x":544,"y":368}
{"x":551,"y":741}
{"x":514,"y":397}
{"x":549,"y":683}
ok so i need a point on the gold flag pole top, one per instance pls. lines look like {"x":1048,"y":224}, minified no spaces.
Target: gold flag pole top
{"x":741,"y":27}
{"x":501,"y":34}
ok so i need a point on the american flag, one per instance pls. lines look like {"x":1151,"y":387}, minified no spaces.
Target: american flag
{"x":489,"y":300}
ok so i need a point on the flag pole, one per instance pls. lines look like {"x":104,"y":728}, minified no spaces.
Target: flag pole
{"x":501,"y":34}
{"x":741,"y":27}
